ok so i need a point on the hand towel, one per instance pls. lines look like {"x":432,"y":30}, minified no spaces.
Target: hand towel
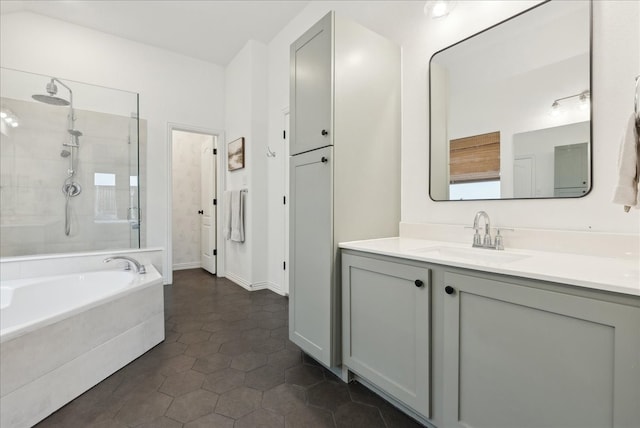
{"x":237,"y":216}
{"x":626,"y":192}
{"x":226,"y":225}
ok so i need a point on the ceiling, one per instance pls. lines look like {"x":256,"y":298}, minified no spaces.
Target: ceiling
{"x":212,"y":31}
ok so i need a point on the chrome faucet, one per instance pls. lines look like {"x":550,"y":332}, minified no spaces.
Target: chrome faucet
{"x":139,"y":268}
{"x":486,"y":242}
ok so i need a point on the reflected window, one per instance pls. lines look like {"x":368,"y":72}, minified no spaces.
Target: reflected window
{"x":106,"y":206}
{"x":475,"y":190}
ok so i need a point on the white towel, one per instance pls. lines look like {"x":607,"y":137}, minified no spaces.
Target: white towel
{"x":626,"y":192}
{"x":237,"y":216}
{"x":226,"y":226}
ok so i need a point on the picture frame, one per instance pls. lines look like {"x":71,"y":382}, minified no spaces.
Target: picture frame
{"x":235,"y":154}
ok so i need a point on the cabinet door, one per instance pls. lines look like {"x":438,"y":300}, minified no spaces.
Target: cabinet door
{"x":517,"y":356}
{"x":571,"y":166}
{"x":385,"y":328}
{"x":311,"y":88}
{"x":311,"y":287}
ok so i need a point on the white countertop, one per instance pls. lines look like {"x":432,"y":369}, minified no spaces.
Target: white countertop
{"x":618,"y":275}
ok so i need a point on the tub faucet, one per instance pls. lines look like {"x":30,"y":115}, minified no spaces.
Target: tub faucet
{"x":139,"y":268}
{"x":486,"y":241}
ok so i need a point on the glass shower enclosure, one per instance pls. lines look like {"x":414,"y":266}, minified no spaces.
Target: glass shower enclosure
{"x":69,"y":166}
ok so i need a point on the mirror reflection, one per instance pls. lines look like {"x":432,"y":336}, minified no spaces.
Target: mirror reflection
{"x":510,"y":108}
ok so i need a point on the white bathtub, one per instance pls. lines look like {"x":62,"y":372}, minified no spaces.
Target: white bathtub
{"x":61,"y":335}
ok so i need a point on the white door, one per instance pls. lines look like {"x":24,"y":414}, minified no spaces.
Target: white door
{"x":285,"y":151}
{"x":523,"y":177}
{"x":208,"y":218}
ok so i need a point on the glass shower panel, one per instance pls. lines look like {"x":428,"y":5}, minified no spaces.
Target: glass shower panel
{"x":69,"y":155}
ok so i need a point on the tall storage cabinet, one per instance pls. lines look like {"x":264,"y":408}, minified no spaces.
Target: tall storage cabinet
{"x":344,"y":168}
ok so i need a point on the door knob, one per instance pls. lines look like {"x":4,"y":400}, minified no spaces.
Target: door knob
{"x":324,"y":132}
{"x":200,"y":212}
{"x":418,"y":283}
{"x":449,"y":289}
{"x":324,"y":160}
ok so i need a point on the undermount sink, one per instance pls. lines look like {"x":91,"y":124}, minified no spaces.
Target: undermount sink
{"x":478,"y":255}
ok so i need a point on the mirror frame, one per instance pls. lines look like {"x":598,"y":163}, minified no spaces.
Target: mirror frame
{"x":590,"y":160}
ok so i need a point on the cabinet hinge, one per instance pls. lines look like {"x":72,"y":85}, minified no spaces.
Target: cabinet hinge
{"x":215,"y":202}
{"x":215,"y":252}
{"x":215,"y":151}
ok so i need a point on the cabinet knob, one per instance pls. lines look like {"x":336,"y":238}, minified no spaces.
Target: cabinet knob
{"x":324,"y":160}
{"x":200,"y":212}
{"x":324,"y":132}
{"x":418,"y":283}
{"x":449,"y":289}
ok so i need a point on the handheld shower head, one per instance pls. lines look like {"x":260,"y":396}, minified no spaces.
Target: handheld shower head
{"x":65,"y":153}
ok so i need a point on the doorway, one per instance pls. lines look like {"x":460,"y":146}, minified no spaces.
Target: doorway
{"x":194,"y":200}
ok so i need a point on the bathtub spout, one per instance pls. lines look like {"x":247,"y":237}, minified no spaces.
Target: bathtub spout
{"x":139,"y":268}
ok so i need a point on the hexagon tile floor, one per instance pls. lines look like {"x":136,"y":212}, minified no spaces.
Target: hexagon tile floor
{"x":226,"y":362}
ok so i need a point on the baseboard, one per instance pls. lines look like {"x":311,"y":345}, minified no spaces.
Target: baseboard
{"x":247,"y":285}
{"x":276,"y":289}
{"x":183,"y":266}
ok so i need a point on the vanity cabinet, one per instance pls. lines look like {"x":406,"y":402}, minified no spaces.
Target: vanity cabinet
{"x":501,"y":351}
{"x":386,"y":327}
{"x":517,"y":355}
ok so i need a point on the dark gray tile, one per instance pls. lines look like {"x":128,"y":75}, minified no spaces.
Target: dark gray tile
{"x":144,"y":408}
{"x":394,"y":418}
{"x":328,"y":395}
{"x":306,"y":417}
{"x":248,"y":361}
{"x":161,"y":422}
{"x":212,"y":420}
{"x":284,"y":398}
{"x":304,"y":375}
{"x":181,"y":383}
{"x":192,"y":405}
{"x":202,"y":349}
{"x":265,"y":377}
{"x":260,"y":418}
{"x":224,"y":380}
{"x":356,"y":415}
{"x":239,"y":402}
{"x":211,"y":363}
{"x":194,"y":337}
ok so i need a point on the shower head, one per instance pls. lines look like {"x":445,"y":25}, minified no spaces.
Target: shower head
{"x":52,"y":90}
{"x":74,"y":132}
{"x":65,"y":153}
{"x":48,"y":99}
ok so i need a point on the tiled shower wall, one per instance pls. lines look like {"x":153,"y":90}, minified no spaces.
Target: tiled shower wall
{"x":32,"y":173}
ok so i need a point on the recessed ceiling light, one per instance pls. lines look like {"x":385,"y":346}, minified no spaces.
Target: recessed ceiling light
{"x":438,"y":8}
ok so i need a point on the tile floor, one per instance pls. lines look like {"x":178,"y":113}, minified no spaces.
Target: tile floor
{"x":226,"y":362}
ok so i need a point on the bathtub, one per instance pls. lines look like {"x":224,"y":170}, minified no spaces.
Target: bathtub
{"x":63,"y":334}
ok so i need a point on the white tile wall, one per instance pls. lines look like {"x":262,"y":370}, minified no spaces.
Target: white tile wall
{"x":32,"y":174}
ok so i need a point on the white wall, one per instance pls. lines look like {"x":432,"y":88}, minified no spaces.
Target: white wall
{"x":245,"y":116}
{"x":616,"y":60}
{"x":172,"y":88}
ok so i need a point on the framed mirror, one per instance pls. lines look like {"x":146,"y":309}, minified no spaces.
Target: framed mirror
{"x":510,"y":108}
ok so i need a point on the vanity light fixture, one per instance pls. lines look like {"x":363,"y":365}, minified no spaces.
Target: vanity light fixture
{"x":439,"y":8}
{"x":584,"y":99}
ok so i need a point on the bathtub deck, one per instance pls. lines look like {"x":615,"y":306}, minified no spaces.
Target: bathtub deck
{"x":226,"y":359}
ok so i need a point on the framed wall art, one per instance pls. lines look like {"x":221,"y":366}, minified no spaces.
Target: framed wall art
{"x":235,"y":153}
